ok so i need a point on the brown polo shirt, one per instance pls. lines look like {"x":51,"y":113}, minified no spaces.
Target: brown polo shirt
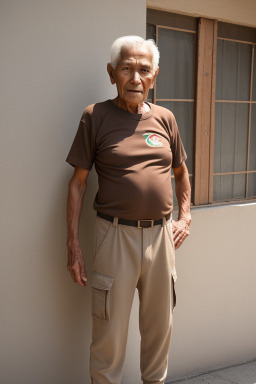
{"x":133,"y":156}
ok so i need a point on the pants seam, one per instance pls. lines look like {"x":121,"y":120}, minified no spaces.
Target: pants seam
{"x":142,"y":347}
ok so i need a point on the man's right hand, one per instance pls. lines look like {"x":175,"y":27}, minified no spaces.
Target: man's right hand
{"x":76,"y":264}
{"x":76,"y":191}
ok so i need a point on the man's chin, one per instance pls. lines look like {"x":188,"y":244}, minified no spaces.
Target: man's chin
{"x":134,"y":92}
{"x":134,"y":98}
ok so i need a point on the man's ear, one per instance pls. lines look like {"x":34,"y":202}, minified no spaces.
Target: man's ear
{"x":154,"y":78}
{"x":111,"y":73}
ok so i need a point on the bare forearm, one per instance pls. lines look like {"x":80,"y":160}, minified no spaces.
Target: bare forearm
{"x":183,"y":193}
{"x":74,"y":207}
{"x":76,"y":191}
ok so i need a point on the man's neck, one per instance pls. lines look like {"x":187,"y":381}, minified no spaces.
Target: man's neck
{"x":132,"y":108}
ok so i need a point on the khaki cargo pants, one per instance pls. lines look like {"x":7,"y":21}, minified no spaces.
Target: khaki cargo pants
{"x":127,"y":258}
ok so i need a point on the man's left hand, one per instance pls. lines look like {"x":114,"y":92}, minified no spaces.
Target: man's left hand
{"x":180,"y":230}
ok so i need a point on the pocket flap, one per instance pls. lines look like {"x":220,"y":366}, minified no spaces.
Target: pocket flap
{"x":174,"y":275}
{"x":101,"y":281}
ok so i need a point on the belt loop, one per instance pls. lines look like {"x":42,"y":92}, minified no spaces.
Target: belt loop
{"x":115,"y":222}
{"x":163,"y":221}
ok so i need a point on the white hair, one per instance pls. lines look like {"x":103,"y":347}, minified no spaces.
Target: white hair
{"x":131,"y":41}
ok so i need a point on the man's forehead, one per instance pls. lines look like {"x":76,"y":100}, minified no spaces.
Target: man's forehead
{"x":141,"y":53}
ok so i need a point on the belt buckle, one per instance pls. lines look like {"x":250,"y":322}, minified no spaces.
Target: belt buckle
{"x":139,"y":223}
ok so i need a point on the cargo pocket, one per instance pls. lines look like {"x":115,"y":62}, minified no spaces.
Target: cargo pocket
{"x":174,"y":278}
{"x":101,"y":286}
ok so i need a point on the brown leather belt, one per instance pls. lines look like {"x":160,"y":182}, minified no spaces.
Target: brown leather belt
{"x":134,"y":223}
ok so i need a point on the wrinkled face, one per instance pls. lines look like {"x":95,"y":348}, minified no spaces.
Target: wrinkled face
{"x":133,"y":75}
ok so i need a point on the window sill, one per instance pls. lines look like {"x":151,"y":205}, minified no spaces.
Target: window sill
{"x":219,"y":204}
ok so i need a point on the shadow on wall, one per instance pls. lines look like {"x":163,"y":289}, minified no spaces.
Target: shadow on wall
{"x":70,"y":318}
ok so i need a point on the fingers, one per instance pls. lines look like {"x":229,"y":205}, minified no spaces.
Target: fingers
{"x":83,"y":276}
{"x":76,"y":267}
{"x":179,"y":239}
{"x":180,"y":232}
{"x":179,"y":242}
{"x":78,"y":275}
{"x":175,"y":227}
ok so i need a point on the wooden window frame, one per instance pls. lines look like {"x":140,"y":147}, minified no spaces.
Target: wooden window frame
{"x":180,"y":23}
{"x":205,"y":111}
{"x":248,"y":102}
{"x":203,"y":172}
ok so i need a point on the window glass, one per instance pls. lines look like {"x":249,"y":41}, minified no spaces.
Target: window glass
{"x":233,"y":120}
{"x":150,"y":97}
{"x":231,"y":137}
{"x":151,"y":32}
{"x":233,"y":71}
{"x":171,"y":19}
{"x":236,"y":32}
{"x":254,"y":76}
{"x":177,"y":39}
{"x":228,"y":187}
{"x":252,"y":185}
{"x":175,"y":203}
{"x":176,"y":75}
{"x":252,"y":159}
{"x":183,"y":112}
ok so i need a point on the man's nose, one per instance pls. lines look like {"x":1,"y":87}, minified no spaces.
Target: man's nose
{"x":135,"y":78}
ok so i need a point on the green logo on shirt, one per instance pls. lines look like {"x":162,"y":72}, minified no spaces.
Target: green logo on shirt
{"x":153,"y":140}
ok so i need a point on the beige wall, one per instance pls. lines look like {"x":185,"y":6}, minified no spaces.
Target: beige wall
{"x":233,"y":11}
{"x":216,"y":288}
{"x":53,"y":64}
{"x":54,"y":55}
{"x":215,"y":317}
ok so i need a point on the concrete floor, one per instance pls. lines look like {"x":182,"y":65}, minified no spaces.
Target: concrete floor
{"x":239,"y":374}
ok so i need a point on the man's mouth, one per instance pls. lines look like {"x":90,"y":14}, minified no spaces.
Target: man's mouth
{"x":134,"y":90}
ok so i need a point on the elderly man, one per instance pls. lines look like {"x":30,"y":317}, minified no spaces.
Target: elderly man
{"x":134,"y":144}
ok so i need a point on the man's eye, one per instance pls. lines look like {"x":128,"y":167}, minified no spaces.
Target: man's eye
{"x":125,"y":68}
{"x":145,"y":70}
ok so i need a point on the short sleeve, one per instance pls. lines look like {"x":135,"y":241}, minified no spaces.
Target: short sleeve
{"x":178,"y":152}
{"x":81,"y":153}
